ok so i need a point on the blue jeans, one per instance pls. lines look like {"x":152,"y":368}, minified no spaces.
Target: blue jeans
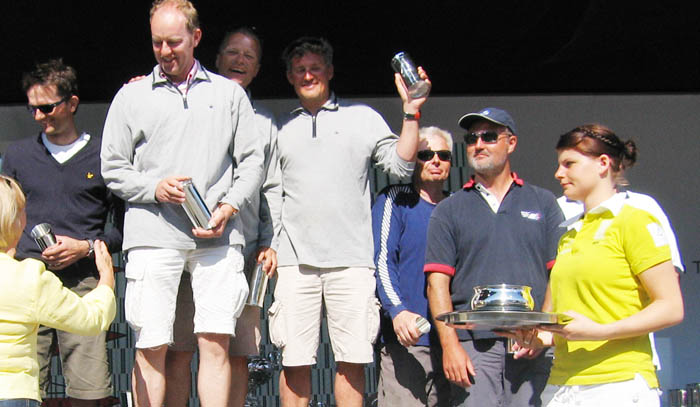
{"x":20,"y":403}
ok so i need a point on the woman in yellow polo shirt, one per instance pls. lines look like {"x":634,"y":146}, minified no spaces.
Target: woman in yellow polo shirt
{"x":30,"y":295}
{"x":612,"y":275}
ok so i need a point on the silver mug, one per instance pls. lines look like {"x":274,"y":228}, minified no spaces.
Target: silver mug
{"x":422,"y":325}
{"x":402,"y":64}
{"x":257,"y":286}
{"x":195,"y":207}
{"x":43,"y":236}
{"x":502,"y":297}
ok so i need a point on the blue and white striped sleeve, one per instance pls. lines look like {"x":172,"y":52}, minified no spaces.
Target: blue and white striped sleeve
{"x":386,"y":228}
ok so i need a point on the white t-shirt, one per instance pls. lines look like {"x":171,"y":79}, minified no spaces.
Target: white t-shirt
{"x":64,"y":153}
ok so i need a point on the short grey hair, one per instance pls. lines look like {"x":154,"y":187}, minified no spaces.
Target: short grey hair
{"x":424,"y":132}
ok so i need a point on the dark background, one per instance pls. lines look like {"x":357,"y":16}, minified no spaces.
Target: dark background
{"x":468,"y":47}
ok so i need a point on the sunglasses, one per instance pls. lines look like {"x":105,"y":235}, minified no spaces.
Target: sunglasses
{"x":488,"y":137}
{"x":46,"y":109}
{"x":427,"y":155}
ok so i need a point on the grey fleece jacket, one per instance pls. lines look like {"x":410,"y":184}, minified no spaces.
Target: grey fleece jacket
{"x":153,"y":131}
{"x":325,"y":160}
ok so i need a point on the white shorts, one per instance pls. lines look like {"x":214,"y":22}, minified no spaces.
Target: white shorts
{"x":153,"y":275}
{"x":630,"y":393}
{"x":352,"y":312}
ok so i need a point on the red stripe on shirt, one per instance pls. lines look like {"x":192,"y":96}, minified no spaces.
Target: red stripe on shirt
{"x":439,"y":268}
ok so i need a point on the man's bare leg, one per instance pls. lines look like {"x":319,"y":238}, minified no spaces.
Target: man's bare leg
{"x":178,"y":377}
{"x":214,"y":380}
{"x":148,"y":385}
{"x":349,"y":384}
{"x":239,"y":381}
{"x":295,"y":386}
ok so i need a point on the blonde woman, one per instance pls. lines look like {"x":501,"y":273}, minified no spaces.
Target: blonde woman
{"x":30,"y":295}
{"x":613,"y":276}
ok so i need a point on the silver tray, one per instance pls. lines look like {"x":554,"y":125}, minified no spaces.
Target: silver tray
{"x":485,"y":320}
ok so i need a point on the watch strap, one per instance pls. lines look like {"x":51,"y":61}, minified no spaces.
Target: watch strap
{"x":91,"y":249}
{"x":411,"y":116}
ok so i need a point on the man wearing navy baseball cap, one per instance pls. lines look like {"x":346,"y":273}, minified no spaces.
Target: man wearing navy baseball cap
{"x":498,"y":229}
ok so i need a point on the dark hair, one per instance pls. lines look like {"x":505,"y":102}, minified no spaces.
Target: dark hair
{"x":52,"y":72}
{"x":314,"y":45}
{"x":595,"y":140}
{"x":244,"y":30}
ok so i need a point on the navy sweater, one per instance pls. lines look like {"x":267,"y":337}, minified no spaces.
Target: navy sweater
{"x":72,"y":197}
{"x":400,"y":226}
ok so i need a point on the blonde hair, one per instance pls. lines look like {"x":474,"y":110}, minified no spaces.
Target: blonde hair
{"x":424,"y":132}
{"x":184,"y":6}
{"x":12,"y":203}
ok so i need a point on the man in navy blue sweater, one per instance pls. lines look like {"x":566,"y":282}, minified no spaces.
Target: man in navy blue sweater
{"x":59,"y":171}
{"x":411,"y":370}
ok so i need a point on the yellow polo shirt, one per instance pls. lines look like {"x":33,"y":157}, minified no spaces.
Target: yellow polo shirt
{"x":30,"y":295}
{"x":596,"y":274}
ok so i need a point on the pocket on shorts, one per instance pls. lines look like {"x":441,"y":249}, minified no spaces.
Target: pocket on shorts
{"x":135,"y":269}
{"x":277,"y":325}
{"x":134,"y":273}
{"x":373,"y":319}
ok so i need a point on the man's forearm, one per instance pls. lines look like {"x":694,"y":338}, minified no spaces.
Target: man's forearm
{"x":407,"y":146}
{"x":440,"y":302}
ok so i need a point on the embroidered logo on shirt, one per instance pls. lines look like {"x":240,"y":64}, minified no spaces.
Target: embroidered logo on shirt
{"x":531,"y":215}
{"x":657,"y":233}
{"x":89,"y":175}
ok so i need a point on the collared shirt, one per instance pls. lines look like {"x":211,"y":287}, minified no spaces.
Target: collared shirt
{"x":153,"y":131}
{"x":325,"y":160}
{"x":477,"y":246}
{"x":184,"y":85}
{"x":573,"y":212}
{"x":596,"y":274}
{"x":489,"y":197}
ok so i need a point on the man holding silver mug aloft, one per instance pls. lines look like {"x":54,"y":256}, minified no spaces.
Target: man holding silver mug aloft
{"x":182,"y":122}
{"x":326,"y":146}
{"x":68,"y":205}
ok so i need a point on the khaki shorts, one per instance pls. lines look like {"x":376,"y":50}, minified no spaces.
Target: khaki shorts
{"x":245,"y":342}
{"x":352,"y":312}
{"x":412,"y":377}
{"x":153,"y":277}
{"x":83,"y":358}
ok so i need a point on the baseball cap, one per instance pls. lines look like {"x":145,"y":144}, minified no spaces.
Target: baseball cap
{"x":492,"y":114}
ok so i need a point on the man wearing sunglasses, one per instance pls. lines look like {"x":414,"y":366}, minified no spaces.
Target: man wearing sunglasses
{"x":326,"y":146}
{"x":497,"y":229}
{"x":59,"y":170}
{"x":410,"y":366}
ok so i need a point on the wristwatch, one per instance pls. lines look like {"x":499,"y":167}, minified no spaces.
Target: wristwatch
{"x":409,"y":116}
{"x":91,"y":249}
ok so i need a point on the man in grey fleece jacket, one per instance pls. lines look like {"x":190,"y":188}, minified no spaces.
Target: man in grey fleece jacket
{"x":326,"y":147}
{"x":239,"y":60}
{"x":181,"y":122}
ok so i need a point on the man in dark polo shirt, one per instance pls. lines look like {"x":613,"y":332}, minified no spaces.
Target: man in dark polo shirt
{"x":497,"y":229}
